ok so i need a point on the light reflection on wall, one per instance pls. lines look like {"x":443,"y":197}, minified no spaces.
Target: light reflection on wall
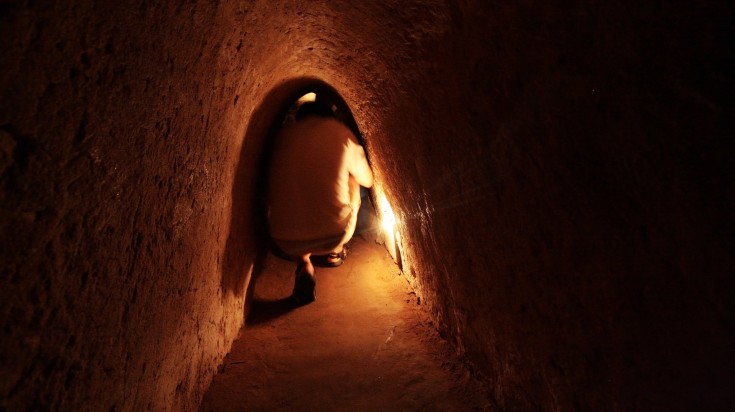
{"x":391,"y":235}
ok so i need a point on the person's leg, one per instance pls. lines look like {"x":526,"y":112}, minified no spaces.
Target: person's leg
{"x":304,"y":289}
{"x":334,"y":256}
{"x":339,"y":252}
{"x":305,"y":262}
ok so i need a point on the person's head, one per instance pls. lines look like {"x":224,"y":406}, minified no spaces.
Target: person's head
{"x":315,"y":108}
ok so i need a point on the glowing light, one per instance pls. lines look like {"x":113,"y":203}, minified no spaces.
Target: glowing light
{"x":388,"y":223}
{"x":388,"y":219}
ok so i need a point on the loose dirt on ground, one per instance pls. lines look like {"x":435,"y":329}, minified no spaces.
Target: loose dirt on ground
{"x":364,"y":345}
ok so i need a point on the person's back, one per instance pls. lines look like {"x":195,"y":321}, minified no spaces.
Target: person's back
{"x":316,"y":169}
{"x":309,"y":179}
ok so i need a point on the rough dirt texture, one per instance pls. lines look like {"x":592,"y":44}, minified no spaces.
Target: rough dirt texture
{"x":364,"y":345}
{"x":561,"y":171}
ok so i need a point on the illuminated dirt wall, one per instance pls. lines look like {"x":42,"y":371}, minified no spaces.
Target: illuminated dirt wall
{"x":563,"y":184}
{"x":560,"y":175}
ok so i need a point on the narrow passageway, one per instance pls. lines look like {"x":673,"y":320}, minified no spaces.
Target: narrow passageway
{"x":560,"y":176}
{"x":365,"y":344}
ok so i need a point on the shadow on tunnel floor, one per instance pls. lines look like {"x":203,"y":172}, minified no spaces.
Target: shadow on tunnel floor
{"x":264,"y":311}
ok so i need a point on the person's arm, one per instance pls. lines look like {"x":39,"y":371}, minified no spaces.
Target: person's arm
{"x":359,"y":167}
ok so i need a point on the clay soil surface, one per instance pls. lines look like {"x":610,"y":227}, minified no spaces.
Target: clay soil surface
{"x":366,"y":344}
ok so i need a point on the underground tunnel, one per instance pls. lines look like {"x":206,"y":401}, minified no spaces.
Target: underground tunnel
{"x":560,"y":174}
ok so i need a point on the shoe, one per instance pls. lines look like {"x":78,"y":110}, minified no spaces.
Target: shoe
{"x":304,"y":289}
{"x":330,"y":260}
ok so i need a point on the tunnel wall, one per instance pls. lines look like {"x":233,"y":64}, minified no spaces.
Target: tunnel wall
{"x":561,"y":174}
{"x":125,"y":264}
{"x":563,"y":178}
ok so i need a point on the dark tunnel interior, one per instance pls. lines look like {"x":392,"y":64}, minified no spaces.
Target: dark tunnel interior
{"x":561,"y":175}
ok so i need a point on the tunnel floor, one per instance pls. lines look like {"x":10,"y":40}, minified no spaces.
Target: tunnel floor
{"x":365,"y":344}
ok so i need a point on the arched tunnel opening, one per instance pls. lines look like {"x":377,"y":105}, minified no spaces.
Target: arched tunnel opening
{"x":560,"y":178}
{"x":381,"y":221}
{"x":249,"y":211}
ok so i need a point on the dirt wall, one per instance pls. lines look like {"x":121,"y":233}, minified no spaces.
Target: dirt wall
{"x":561,"y":174}
{"x":563,"y":177}
{"x":123,"y":273}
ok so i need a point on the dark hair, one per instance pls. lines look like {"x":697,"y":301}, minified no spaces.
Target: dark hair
{"x":316,"y":108}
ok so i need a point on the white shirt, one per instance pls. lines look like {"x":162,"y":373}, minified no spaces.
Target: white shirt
{"x":309,"y":180}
